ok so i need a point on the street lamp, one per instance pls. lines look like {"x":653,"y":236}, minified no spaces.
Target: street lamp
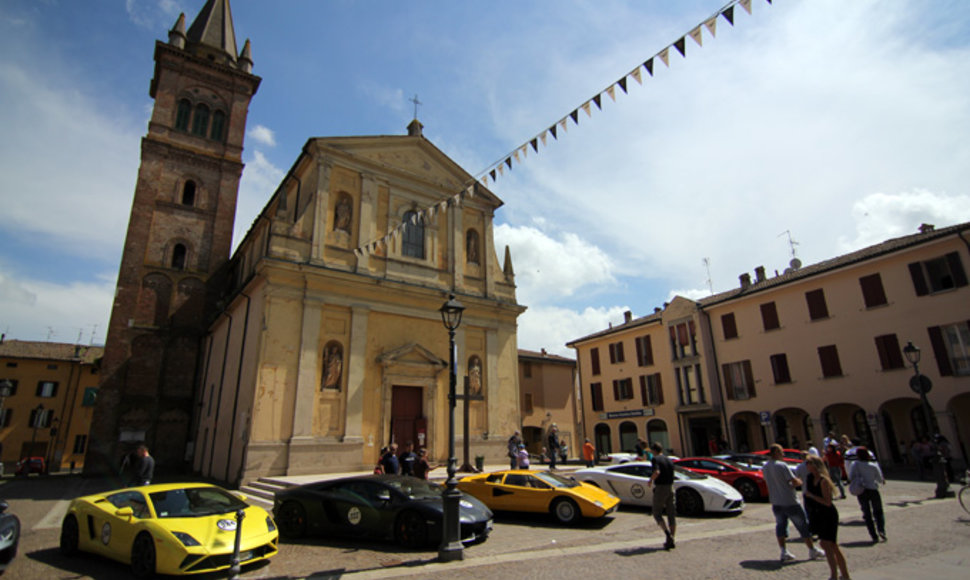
{"x":451,"y":548}
{"x":921,"y":384}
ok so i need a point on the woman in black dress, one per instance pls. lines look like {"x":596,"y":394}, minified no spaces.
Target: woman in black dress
{"x":823,"y":517}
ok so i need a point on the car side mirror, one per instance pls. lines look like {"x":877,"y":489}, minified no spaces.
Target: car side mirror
{"x":384,"y":496}
{"x":125,"y":512}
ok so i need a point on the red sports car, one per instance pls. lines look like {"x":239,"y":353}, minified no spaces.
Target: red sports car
{"x":789,"y":455}
{"x":749,"y":482}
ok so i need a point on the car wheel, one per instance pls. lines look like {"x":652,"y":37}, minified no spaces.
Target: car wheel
{"x":410,"y":530}
{"x":69,"y":536}
{"x":291,"y":519}
{"x":565,"y":510}
{"x":748,"y":490}
{"x":689,"y":502}
{"x":143,"y":556}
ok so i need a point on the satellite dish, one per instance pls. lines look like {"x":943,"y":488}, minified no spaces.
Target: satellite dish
{"x":795,"y":263}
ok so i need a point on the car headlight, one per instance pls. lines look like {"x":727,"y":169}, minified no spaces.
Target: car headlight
{"x":466,"y":504}
{"x":598,"y":503}
{"x":186,"y":539}
{"x":270,"y":524}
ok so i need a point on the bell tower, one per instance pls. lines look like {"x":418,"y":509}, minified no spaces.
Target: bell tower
{"x":178,"y":242}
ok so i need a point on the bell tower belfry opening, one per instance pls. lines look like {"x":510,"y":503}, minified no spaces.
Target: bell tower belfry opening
{"x":178,"y":241}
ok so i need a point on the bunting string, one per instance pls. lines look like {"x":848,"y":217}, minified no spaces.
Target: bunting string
{"x":559,"y":128}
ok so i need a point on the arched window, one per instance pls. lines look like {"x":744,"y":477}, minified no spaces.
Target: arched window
{"x":472,"y":247}
{"x":218,"y":125}
{"x":628,"y":436}
{"x":602,"y":435}
{"x":200,"y":121}
{"x":178,"y":256}
{"x":657,"y":433}
{"x":412,"y":242}
{"x":781,"y":430}
{"x":188,"y":193}
{"x":182,"y":115}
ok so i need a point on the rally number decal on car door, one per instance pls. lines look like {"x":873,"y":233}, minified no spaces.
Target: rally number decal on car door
{"x":636,"y":490}
{"x":354,"y":515}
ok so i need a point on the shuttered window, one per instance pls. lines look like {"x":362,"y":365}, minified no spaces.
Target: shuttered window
{"x":873,"y":293}
{"x":828,"y":357}
{"x":817,"y":309}
{"x":651,"y":392}
{"x":596,"y":396}
{"x":769,"y":316}
{"x":938,"y":274}
{"x":779,"y":367}
{"x":729,"y":326}
{"x":890,"y":356}
{"x":644,"y":351}
{"x":594,"y":360}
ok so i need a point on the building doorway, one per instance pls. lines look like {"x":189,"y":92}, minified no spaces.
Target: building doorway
{"x":407,"y":417}
{"x":701,"y":431}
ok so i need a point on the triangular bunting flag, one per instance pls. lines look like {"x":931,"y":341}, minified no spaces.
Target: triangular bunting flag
{"x":516,"y":155}
{"x":728,"y":15}
{"x":543,"y":138}
{"x":712,"y":26}
{"x":501,"y":170}
{"x":611,"y":91}
{"x":681,"y":46}
{"x":622,"y":83}
{"x":535,"y":144}
{"x":485,"y":180}
{"x":597,"y":99}
{"x":553,"y":131}
{"x":492,"y":174}
{"x":649,"y":66}
{"x":665,"y":55}
{"x":525,"y":151}
{"x":575,"y":116}
{"x":564,"y":124}
{"x":508,"y":161}
{"x":746,"y":4}
{"x":697,"y":36}
{"x":586,"y":109}
{"x":637,"y":75}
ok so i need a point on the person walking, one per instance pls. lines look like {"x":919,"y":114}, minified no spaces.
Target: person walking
{"x":522,"y":457}
{"x":823,"y":517}
{"x":662,"y":481}
{"x":784,"y":504}
{"x":422,"y":467}
{"x":835,"y":463}
{"x":390,"y":462}
{"x":589,"y":454}
{"x":553,"y":445}
{"x":143,"y":468}
{"x":513,"y":447}
{"x":867,"y":474}
{"x":407,"y":459}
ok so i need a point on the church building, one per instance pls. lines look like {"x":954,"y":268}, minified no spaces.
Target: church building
{"x":310,"y":347}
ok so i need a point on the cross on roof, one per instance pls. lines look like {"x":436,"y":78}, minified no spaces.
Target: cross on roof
{"x":416,"y":102}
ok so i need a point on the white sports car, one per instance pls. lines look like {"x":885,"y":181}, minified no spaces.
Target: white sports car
{"x":695,"y":494}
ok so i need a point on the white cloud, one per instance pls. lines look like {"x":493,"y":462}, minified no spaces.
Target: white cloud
{"x":153,"y":13}
{"x":881,"y":216}
{"x":37,"y":310}
{"x":552,"y":327}
{"x":259,"y":181}
{"x":547,"y":269}
{"x":262,"y":135}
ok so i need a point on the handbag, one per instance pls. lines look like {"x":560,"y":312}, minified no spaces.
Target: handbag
{"x":856,"y":487}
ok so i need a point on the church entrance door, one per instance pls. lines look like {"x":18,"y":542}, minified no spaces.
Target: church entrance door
{"x":407,"y":418}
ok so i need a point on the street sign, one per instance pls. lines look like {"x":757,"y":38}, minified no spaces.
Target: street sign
{"x":765,"y":417}
{"x":921,"y":384}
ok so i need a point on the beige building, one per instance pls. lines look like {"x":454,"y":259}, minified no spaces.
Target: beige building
{"x":54,"y":387}
{"x":548,"y":396}
{"x":787,"y":358}
{"x":319,"y":340}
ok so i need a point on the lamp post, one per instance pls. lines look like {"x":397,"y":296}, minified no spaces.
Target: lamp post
{"x":451,"y":548}
{"x":51,"y":447}
{"x":921,"y":384}
{"x":6,"y":389}
{"x":33,"y":439}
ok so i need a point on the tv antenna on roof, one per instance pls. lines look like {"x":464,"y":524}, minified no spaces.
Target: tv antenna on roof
{"x":707,"y":265}
{"x":795,"y":263}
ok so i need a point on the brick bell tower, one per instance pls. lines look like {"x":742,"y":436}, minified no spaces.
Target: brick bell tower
{"x":178,"y":242}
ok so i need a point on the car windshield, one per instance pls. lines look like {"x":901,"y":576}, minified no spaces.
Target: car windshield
{"x":194,"y":502}
{"x":416,"y":488}
{"x":682,"y":473}
{"x":555,"y":480}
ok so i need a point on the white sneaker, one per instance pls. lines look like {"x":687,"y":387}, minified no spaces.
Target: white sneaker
{"x":815,"y":554}
{"x":787,"y":556}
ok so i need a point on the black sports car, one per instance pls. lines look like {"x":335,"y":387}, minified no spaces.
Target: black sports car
{"x":9,"y":536}
{"x":405,"y":509}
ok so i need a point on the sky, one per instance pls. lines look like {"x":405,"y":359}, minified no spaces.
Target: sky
{"x":809,"y":128}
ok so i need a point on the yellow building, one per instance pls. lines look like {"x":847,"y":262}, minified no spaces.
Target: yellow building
{"x":790,"y":357}
{"x":547,"y":390}
{"x":53,"y":389}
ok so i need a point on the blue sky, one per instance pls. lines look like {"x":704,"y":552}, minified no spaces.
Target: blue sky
{"x":843,"y":123}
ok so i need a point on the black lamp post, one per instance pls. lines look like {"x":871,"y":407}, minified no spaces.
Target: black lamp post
{"x":451,"y":548}
{"x":922,"y":384}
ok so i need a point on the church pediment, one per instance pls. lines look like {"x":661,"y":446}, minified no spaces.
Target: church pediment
{"x":413,"y":355}
{"x":414,"y":156}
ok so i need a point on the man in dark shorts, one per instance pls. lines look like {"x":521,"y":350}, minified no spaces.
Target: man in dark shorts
{"x":662,"y":481}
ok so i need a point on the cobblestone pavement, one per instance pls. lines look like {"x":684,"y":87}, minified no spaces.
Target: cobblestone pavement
{"x":927,"y":539}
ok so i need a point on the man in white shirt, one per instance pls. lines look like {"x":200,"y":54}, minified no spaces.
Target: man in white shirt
{"x":784,"y":504}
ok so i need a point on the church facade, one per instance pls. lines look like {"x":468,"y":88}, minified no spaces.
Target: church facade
{"x":309,"y":348}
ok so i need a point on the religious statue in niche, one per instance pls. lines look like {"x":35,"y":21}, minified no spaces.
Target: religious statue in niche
{"x":471,"y":247}
{"x":475,"y":376}
{"x":334,"y":366}
{"x":343,"y":214}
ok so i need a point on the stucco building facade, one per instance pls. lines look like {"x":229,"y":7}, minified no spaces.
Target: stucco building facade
{"x":548,"y":396}
{"x":790,"y":357}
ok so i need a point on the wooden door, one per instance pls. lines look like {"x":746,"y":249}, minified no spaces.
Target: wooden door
{"x":406,"y":411}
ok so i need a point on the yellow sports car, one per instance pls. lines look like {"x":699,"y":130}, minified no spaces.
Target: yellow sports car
{"x":183,"y":528}
{"x":539,"y":491}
